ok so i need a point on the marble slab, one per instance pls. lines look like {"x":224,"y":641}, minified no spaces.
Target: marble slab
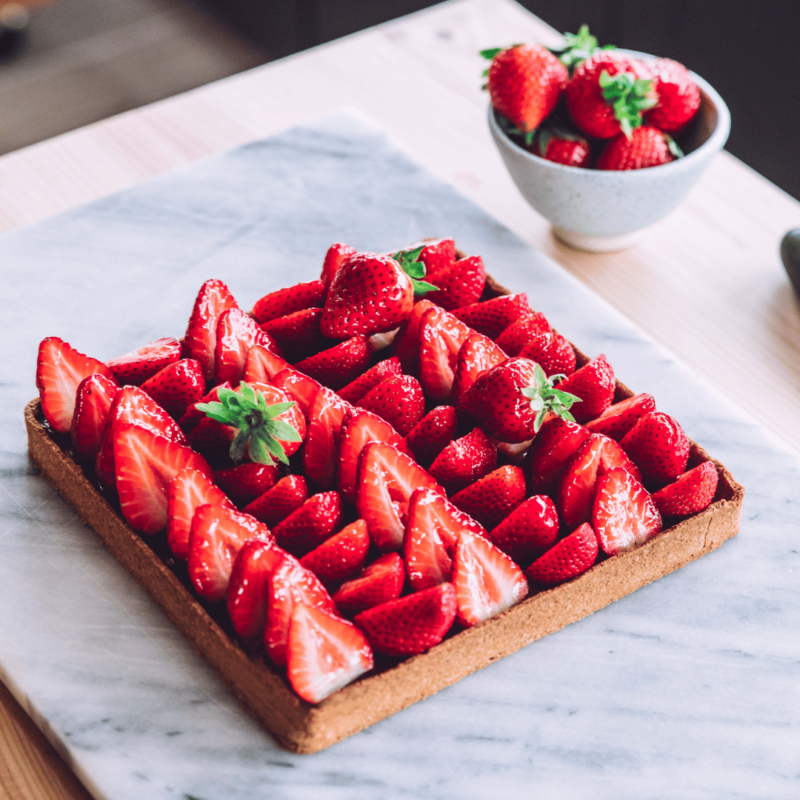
{"x":689,"y":688}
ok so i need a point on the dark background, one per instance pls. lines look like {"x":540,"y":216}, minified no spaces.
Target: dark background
{"x":745,"y":50}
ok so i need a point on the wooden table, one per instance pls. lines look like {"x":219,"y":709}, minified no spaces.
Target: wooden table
{"x":706,"y":283}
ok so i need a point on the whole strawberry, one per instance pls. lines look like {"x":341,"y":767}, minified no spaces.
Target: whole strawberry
{"x":659,"y":447}
{"x":645,"y":147}
{"x":678,"y":96}
{"x":562,"y":147}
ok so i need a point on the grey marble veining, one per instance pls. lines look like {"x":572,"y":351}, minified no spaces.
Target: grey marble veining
{"x":689,"y":688}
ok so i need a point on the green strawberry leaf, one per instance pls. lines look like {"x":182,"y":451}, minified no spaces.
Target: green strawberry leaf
{"x":629,"y":96}
{"x":415,"y":269}
{"x":546,"y":399}
{"x":673,"y":146}
{"x":421,"y":288}
{"x":491,"y":52}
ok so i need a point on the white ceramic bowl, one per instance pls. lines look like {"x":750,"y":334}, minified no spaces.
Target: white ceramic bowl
{"x":604,"y":210}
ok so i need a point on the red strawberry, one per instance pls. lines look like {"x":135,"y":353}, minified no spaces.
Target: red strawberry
{"x":324,"y":653}
{"x":283,"y":499}
{"x":321,"y":453}
{"x":177,"y":386}
{"x":528,"y":531}
{"x":571,"y":557}
{"x":406,"y":343}
{"x":93,"y":401}
{"x":618,"y":419}
{"x":659,"y":447}
{"x":410,"y":625}
{"x":440,"y":338}
{"x":593,"y":459}
{"x":594,"y":384}
{"x":59,"y":371}
{"x":213,"y":440}
{"x":355,"y":390}
{"x":380,"y":582}
{"x":460,"y":284}
{"x":624,"y":514}
{"x":691,"y":493}
{"x":386,"y":480}
{"x":437,"y":255}
{"x":145,"y":465}
{"x":342,"y":556}
{"x":645,"y":147}
{"x":521,"y":332}
{"x":553,"y":352}
{"x":563,"y":147}
{"x":299,"y":387}
{"x":200,"y":341}
{"x":525,"y":84}
{"x":464,"y":461}
{"x":397,"y":399}
{"x":288,"y":301}
{"x":245,"y":483}
{"x":477,"y":355}
{"x":678,"y":96}
{"x":338,"y":365}
{"x":262,"y":365}
{"x":193,"y":416}
{"x":432,"y":433}
{"x":236,"y":334}
{"x":189,"y":490}
{"x":311,"y":524}
{"x":486,"y":580}
{"x":298,"y":334}
{"x":334,"y":258}
{"x":557,"y":440}
{"x":139,"y":365}
{"x":492,"y":317}
{"x":491,"y":499}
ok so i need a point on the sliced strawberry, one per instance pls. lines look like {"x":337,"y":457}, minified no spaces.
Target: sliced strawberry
{"x":571,"y":557}
{"x":342,"y":556}
{"x":440,"y":338}
{"x":324,"y":653}
{"x":321,"y":453}
{"x":477,"y":355}
{"x":492,"y":317}
{"x":299,"y":387}
{"x":544,"y":463}
{"x":200,"y":341}
{"x":311,"y":524}
{"x":298,"y":334}
{"x":553,"y":352}
{"x":139,"y":365}
{"x":354,"y":391}
{"x":288,"y":301}
{"x":437,"y":255}
{"x":593,"y":459}
{"x":93,"y":401}
{"x":59,"y":371}
{"x":432,"y":434}
{"x":189,"y":490}
{"x":236,"y":334}
{"x":528,"y":531}
{"x":618,"y":419}
{"x":410,"y":625}
{"x":691,"y":493}
{"x":491,"y":499}
{"x":334,"y":258}
{"x":193,"y":415}
{"x":262,"y":365}
{"x":380,"y":582}
{"x":659,"y":447}
{"x":486,"y":580}
{"x":177,"y":386}
{"x":521,"y":332}
{"x":245,"y":483}
{"x":386,"y":480}
{"x":594,"y":384}
{"x":464,"y":461}
{"x":339,"y":365}
{"x":624,"y":514}
{"x":406,"y":344}
{"x":145,"y":465}
{"x":283,"y":499}
{"x":397,"y":399}
{"x":460,"y":284}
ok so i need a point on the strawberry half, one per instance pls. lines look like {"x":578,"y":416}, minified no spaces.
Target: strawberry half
{"x":464,"y":461}
{"x":311,"y":524}
{"x":139,"y":365}
{"x":262,"y":365}
{"x":298,"y":334}
{"x":618,"y":419}
{"x":334,"y":258}
{"x":355,"y":390}
{"x":245,"y":483}
{"x":93,"y":401}
{"x":339,"y":365}
{"x":440,"y":338}
{"x":236,"y":334}
{"x":406,"y":343}
{"x":460,"y":284}
{"x":287,"y":301}
{"x":200,"y":341}
{"x":342,"y":556}
{"x":321,"y":452}
{"x":659,"y":447}
{"x":555,"y":354}
{"x":432,"y":434}
{"x":299,"y":387}
{"x":283,"y":499}
{"x":492,"y":317}
{"x":521,"y":332}
{"x":476,"y":356}
{"x":491,"y":499}
{"x":594,"y":385}
{"x":691,"y":493}
{"x":529,"y":531}
{"x":380,"y":582}
{"x":399,"y":400}
{"x":544,"y":463}
{"x":571,"y":557}
{"x":177,"y":386}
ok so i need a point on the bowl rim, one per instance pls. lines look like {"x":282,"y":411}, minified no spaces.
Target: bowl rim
{"x":716,"y":141}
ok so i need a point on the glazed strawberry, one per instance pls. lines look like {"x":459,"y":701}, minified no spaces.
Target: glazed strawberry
{"x":659,"y":447}
{"x":245,"y":483}
{"x":236,"y":334}
{"x":520,"y":332}
{"x":379,"y":583}
{"x":477,"y":355}
{"x":555,"y":354}
{"x":338,"y":365}
{"x":386,"y":480}
{"x":283,"y":499}
{"x":321,"y":452}
{"x":177,"y":386}
{"x":624,"y":514}
{"x":93,"y":400}
{"x":618,"y":419}
{"x":355,"y":390}
{"x":594,"y":385}
{"x":341,"y":557}
{"x":563,"y":147}
{"x":557,"y":440}
{"x":324,"y":653}
{"x":528,"y":531}
{"x":189,"y":490}
{"x":525,"y":83}
{"x":432,"y":433}
{"x":645,"y":147}
{"x":59,"y":371}
{"x":334,"y":258}
{"x":677,"y":93}
{"x":410,"y":625}
{"x":193,"y":416}
{"x":287,"y":301}
{"x":145,"y":465}
{"x":399,"y":400}
{"x":311,"y":524}
{"x":460,"y":284}
{"x":213,"y":441}
{"x":200,"y":341}
{"x":262,"y":365}
{"x":440,"y":338}
{"x":691,"y":493}
{"x":139,"y":365}
{"x":298,"y":386}
{"x":486,"y":580}
{"x":491,"y":499}
{"x":464,"y":461}
{"x":298,"y":334}
{"x":406,"y":343}
{"x":436,"y":254}
{"x":492,"y":317}
{"x":571,"y":557}
{"x":593,"y":459}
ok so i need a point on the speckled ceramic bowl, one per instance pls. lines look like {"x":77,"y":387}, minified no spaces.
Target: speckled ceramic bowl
{"x":599,"y":210}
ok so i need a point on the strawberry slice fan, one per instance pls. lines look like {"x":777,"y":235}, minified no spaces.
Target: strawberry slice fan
{"x":399,"y":459}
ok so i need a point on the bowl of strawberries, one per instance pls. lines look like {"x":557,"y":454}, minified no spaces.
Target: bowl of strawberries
{"x":601,"y":142}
